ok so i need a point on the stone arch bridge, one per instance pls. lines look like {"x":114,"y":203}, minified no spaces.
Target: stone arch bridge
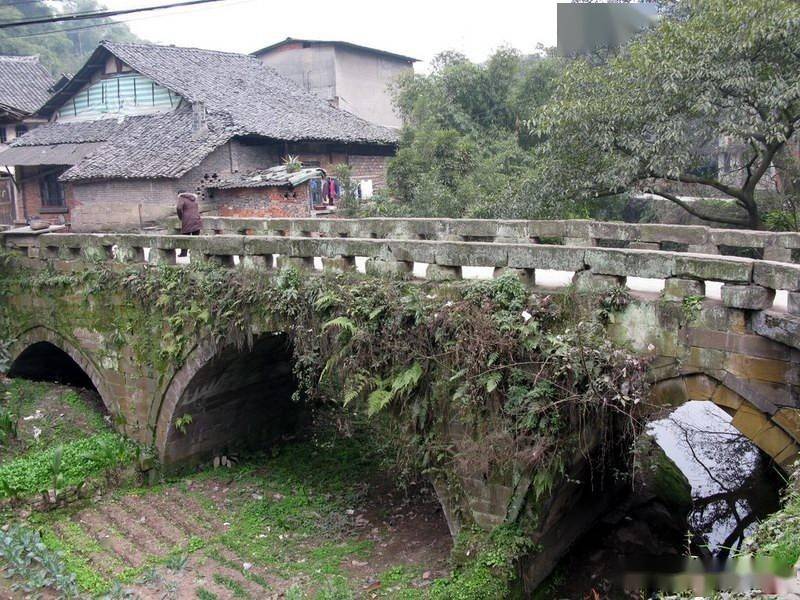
{"x":740,"y":350}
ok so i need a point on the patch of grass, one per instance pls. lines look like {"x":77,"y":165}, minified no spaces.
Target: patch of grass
{"x":335,"y":588}
{"x":80,"y":459}
{"x":204,"y":594}
{"x":779,"y":535}
{"x":86,"y":577}
{"x":93,"y":417}
{"x":396,"y":583}
{"x":234,"y":586}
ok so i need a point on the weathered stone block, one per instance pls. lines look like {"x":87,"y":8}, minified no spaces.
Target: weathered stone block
{"x":298,"y":262}
{"x":413,"y":251}
{"x":676,"y":289}
{"x":762,"y":369}
{"x":787,"y":458}
{"x":558,"y":258}
{"x":703,"y":249}
{"x":789,"y":420}
{"x":630,"y":263}
{"x":436,"y":272}
{"x":750,"y":421}
{"x":257,"y":261}
{"x":751,"y":297}
{"x":793,"y":303}
{"x":778,"y":276}
{"x":588,"y":282}
{"x":726,"y":398}
{"x":700,"y":387}
{"x":388,"y":268}
{"x":644,"y":246}
{"x":161,"y":256}
{"x":580,"y":242}
{"x":773,"y":441}
{"x":777,"y":254}
{"x":695,"y":235}
{"x":527,"y":276}
{"x":338,"y":264}
{"x":471,"y":254}
{"x":129,"y":254}
{"x":781,"y":328}
{"x":729,"y":269}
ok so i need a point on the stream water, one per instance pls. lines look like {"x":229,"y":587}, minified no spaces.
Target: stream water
{"x":734,"y":485}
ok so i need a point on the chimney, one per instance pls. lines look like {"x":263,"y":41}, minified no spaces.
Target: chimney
{"x":199,"y":124}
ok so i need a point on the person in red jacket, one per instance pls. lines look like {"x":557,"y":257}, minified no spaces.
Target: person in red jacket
{"x":188,"y":210}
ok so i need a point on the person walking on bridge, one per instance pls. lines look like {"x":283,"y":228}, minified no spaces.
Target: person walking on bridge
{"x":188,"y":211}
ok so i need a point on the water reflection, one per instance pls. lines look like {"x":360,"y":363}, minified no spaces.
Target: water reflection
{"x":733,"y":484}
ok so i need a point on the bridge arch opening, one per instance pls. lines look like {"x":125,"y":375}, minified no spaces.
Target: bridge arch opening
{"x":229,"y":401}
{"x":731,"y":446}
{"x":44,"y":361}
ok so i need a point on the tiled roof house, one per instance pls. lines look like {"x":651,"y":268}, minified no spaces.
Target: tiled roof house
{"x":139,"y":122}
{"x":24,"y":87}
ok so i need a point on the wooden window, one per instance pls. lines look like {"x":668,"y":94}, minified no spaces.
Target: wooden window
{"x":52,"y":192}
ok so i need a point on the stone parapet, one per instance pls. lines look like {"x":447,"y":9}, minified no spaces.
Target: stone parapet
{"x":774,"y":246}
{"x":445,"y":259}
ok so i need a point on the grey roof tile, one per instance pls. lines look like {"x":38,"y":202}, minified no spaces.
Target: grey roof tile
{"x":241,"y":96}
{"x":24,"y":83}
{"x":258,"y":99}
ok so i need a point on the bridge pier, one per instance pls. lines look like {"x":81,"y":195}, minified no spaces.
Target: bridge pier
{"x":587,"y":281}
{"x":676,"y":288}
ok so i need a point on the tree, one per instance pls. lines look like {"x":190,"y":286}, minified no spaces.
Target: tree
{"x":465,"y":149}
{"x":653,"y":118}
{"x":65,"y":47}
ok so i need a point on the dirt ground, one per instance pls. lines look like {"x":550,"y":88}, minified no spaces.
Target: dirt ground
{"x":309,"y":522}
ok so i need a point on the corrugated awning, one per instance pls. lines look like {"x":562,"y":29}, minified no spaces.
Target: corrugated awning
{"x":57,"y":154}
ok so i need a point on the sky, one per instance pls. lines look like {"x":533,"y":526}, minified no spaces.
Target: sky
{"x":418,"y":28}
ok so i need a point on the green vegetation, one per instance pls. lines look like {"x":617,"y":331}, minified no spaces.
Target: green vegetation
{"x":464,"y":150}
{"x":649,"y":118}
{"x":779,"y":536}
{"x":32,"y":564}
{"x":489,"y":567}
{"x":406,"y":359}
{"x":72,"y":464}
{"x":65,"y":51}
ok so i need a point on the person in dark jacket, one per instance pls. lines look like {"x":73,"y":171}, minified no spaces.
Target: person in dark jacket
{"x":188,"y":211}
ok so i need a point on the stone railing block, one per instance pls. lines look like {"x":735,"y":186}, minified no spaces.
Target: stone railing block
{"x":751,"y":297}
{"x":678,"y":234}
{"x":614,"y":231}
{"x":547,"y":229}
{"x":471,"y":254}
{"x":778,"y":276}
{"x":412,"y":251}
{"x":730,"y":269}
{"x":740,"y":238}
{"x":558,"y":258}
{"x":634,"y":263}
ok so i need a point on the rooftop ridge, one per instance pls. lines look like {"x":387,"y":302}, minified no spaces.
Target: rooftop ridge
{"x":111,"y":43}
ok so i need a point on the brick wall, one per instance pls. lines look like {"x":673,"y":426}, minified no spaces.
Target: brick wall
{"x":30,"y":193}
{"x":277,"y":202}
{"x":370,"y":167}
{"x":127,"y":204}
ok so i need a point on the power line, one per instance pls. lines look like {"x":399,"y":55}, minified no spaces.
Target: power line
{"x":108,"y":23}
{"x":101,"y":14}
